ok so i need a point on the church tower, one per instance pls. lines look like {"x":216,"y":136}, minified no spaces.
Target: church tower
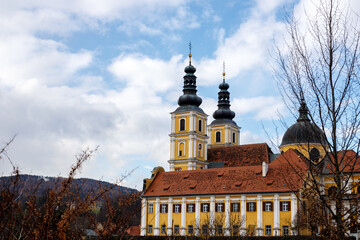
{"x":223,"y":131}
{"x":188,"y":139}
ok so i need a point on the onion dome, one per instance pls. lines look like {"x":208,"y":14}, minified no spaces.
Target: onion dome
{"x":303,"y":131}
{"x":223,"y":114}
{"x":189,"y":100}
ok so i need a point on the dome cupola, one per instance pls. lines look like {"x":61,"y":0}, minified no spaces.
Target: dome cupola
{"x":303,"y":131}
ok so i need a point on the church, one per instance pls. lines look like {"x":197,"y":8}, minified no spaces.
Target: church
{"x":215,"y":186}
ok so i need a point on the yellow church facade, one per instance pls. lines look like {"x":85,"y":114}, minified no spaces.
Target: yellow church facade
{"x":215,"y":186}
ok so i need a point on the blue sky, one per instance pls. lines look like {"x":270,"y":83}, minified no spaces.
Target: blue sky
{"x":77,"y":74}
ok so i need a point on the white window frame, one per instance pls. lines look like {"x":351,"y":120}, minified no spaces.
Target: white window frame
{"x":163,"y":208}
{"x":176,"y":208}
{"x":163,"y":229}
{"x":205,"y":207}
{"x":285,"y":206}
{"x":176,"y":229}
{"x":252,"y":207}
{"x":180,"y":124}
{"x":151,"y":208}
{"x":216,"y":140}
{"x":191,"y":207}
{"x":267,"y":207}
{"x":220,"y":207}
{"x":236,"y":207}
{"x":285,"y":229}
{"x":190,"y":229}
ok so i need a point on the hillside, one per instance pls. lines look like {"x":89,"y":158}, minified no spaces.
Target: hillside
{"x":40,"y":184}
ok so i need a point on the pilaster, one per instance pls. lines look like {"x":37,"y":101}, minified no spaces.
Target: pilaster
{"x":157,"y":217}
{"x":143,"y":216}
{"x":227,"y":216}
{"x":170,"y":223}
{"x":259,"y":211}
{"x":276,"y":230}
{"x":183,"y":217}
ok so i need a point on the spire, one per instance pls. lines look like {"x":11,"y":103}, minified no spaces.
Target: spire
{"x":189,"y":97}
{"x":223,"y":111}
{"x":303,"y":111}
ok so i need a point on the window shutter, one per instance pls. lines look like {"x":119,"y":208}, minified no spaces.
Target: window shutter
{"x":166,"y":207}
{"x":289,"y":206}
{"x":264,"y":206}
{"x":232,"y":207}
{"x":201,"y":207}
{"x":174,"y":208}
{"x":179,"y":207}
{"x":271,"y":206}
{"x":216,"y":207}
{"x":255,"y":206}
{"x":187,"y":207}
{"x":194,"y":207}
{"x":281,"y":206}
{"x":247,"y":206}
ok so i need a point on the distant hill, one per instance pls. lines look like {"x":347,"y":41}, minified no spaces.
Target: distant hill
{"x":41,"y":184}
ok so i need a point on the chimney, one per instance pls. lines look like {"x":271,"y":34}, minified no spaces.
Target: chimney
{"x":265,"y":168}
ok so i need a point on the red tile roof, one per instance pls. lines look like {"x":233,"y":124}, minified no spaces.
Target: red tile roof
{"x":281,"y":177}
{"x":242,"y":155}
{"x":350,"y":162}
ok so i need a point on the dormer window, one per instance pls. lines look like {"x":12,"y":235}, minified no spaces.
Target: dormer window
{"x":182,"y":124}
{"x":218,"y":137}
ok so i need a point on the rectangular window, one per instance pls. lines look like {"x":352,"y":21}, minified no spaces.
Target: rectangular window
{"x":250,"y":230}
{"x":190,"y":229}
{"x":285,"y":230}
{"x":251,"y":206}
{"x":267,"y":229}
{"x":219,"y":207}
{"x":267,"y":206}
{"x":235,"y":230}
{"x":285,"y":206}
{"x":151,"y":208}
{"x":177,"y":208}
{"x":204,"y":229}
{"x":150,"y":229}
{"x":234,"y":137}
{"x":190,"y":207}
{"x":235,"y":207}
{"x":163,"y":229}
{"x":219,"y":230}
{"x":176,"y":229}
{"x":200,"y":126}
{"x":163,"y":208}
{"x":205,"y":207}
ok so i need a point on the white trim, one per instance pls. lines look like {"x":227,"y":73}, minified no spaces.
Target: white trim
{"x":183,"y":217}
{"x":197,"y":216}
{"x":170,"y":211}
{"x":227,"y":216}
{"x":212,"y":215}
{"x":143,"y":217}
{"x":259,"y":210}
{"x":243,"y":215}
{"x":157,"y":217}
{"x":276,"y":229}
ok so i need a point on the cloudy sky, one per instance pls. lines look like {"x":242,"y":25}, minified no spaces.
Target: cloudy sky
{"x":86,"y":73}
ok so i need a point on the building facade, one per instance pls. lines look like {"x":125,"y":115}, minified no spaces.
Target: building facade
{"x":216,"y":186}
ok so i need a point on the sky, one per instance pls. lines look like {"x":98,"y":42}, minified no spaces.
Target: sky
{"x":78,"y":74}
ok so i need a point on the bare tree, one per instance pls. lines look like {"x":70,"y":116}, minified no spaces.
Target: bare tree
{"x":319,"y":64}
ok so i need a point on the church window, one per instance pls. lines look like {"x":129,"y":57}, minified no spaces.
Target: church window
{"x":163,"y":229}
{"x":267,"y":206}
{"x":234,"y":137}
{"x":151,"y":208}
{"x":205,"y":207}
{"x":219,"y":229}
{"x":150,"y":229}
{"x":285,"y":230}
{"x":235,"y":207}
{"x":190,"y":208}
{"x":200,"y":152}
{"x":267,"y":229}
{"x":251,"y":206}
{"x":218,"y":137}
{"x":314,"y":155}
{"x":164,"y":208}
{"x":176,"y":229}
{"x":190,"y":229}
{"x":177,"y":208}
{"x":182,"y":124}
{"x":285,"y":206}
{"x":204,"y":229}
{"x":181,"y":149}
{"x":219,"y":207}
{"x":200,"y":126}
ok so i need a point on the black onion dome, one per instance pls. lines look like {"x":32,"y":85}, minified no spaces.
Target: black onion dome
{"x":303,"y":131}
{"x":223,"y":114}
{"x":189,"y":100}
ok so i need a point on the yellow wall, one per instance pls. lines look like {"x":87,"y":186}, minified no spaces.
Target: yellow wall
{"x":305,"y":149}
{"x":213,"y":135}
{"x":177,"y":123}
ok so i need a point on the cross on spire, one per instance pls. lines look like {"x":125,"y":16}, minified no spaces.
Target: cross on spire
{"x":223,"y":71}
{"x":190,"y":53}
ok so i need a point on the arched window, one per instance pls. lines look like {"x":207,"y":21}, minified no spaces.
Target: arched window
{"x":234,"y":137}
{"x":314,"y":155}
{"x":181,"y":149}
{"x":182,"y":124}
{"x":218,"y":137}
{"x":200,"y":126}
{"x":200,"y":150}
